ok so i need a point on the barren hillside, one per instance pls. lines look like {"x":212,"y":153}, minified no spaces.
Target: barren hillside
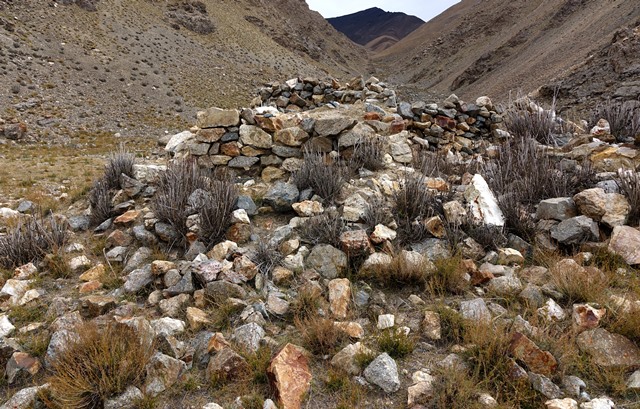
{"x":494,"y":47}
{"x":121,"y":65}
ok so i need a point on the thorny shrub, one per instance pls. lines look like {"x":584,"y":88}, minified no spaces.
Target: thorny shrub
{"x":524,"y":121}
{"x":31,"y":239}
{"x":323,"y":229}
{"x":100,"y":197}
{"x":368,"y":153}
{"x":629,"y":183}
{"x":623,"y":118}
{"x":322,"y":173}
{"x":120,"y":162}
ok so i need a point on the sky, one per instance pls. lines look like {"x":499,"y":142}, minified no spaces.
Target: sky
{"x":425,"y":9}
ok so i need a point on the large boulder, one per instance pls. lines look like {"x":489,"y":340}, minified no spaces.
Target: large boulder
{"x":216,"y":117}
{"x":290,"y":376}
{"x":576,"y":230}
{"x":383,"y":372}
{"x":327,"y":260}
{"x":625,"y":242}
{"x":610,"y":208}
{"x":609,"y":350}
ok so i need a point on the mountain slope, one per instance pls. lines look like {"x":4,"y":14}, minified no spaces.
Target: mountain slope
{"x":494,"y":46}
{"x":118,"y":65}
{"x":375,"y":27}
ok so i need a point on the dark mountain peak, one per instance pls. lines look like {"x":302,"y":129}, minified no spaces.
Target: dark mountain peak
{"x":368,"y":25}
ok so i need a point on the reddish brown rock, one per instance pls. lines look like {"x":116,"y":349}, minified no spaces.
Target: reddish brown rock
{"x":127,"y":218}
{"x":230,"y":149}
{"x":446,"y":123}
{"x":118,"y":238}
{"x":239,"y":233}
{"x":290,"y":376}
{"x":356,"y":242}
{"x":372,"y":116}
{"x":90,"y":286}
{"x":217,"y":343}
{"x":397,"y":126}
{"x":537,"y":360}
{"x":21,"y":363}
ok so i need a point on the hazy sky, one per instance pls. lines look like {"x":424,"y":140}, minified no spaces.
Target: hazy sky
{"x":425,"y":9}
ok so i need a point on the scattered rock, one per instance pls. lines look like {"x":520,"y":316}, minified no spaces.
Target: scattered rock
{"x":383,"y":372}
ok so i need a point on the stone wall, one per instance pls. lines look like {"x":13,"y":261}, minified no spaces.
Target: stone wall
{"x":269,"y":140}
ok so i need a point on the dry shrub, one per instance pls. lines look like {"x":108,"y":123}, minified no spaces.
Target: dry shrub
{"x":523,"y":176}
{"x":452,"y":325}
{"x":368,"y":153}
{"x":215,"y":213}
{"x":413,"y":203}
{"x":447,"y":278}
{"x":323,"y":229}
{"x":31,"y":239}
{"x":348,"y":393}
{"x":97,"y":364}
{"x":322,"y":173}
{"x":625,"y":322}
{"x":623,"y":118}
{"x":319,"y":335}
{"x":120,"y":162}
{"x":377,"y":212}
{"x":100,"y":197}
{"x":396,"y":343}
{"x":629,"y":183}
{"x":453,"y":389}
{"x":175,"y":185}
{"x":267,"y":257}
{"x":524,"y":121}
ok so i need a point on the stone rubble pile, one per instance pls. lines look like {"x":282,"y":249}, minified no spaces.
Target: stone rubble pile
{"x":178,"y":295}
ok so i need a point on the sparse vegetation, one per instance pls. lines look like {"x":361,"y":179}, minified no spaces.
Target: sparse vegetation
{"x":523,"y":176}
{"x":97,"y":364}
{"x":267,"y":257}
{"x":413,"y":203}
{"x":525,"y":120}
{"x":100,"y":201}
{"x":402,"y":271}
{"x":629,"y":183}
{"x":319,"y":335}
{"x":215,"y":212}
{"x":322,"y":173}
{"x":31,"y":239}
{"x":369,"y":153}
{"x":396,"y":343}
{"x":377,"y":212}
{"x":623,"y":118}
{"x":323,"y":229}
{"x":447,"y":278}
{"x":118,"y":163}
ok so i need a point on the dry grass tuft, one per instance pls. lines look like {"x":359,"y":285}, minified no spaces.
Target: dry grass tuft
{"x":319,"y":335}
{"x":100,"y":197}
{"x":623,"y":118}
{"x":306,"y":304}
{"x":396,"y":343}
{"x":590,"y":287}
{"x":377,"y":212}
{"x":413,"y":203}
{"x":215,"y":213}
{"x":267,"y":257}
{"x":96,"y":365}
{"x":447,"y":278}
{"x":400,"y":273}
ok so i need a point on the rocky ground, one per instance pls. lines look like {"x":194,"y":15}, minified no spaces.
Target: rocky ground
{"x":351,"y":250}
